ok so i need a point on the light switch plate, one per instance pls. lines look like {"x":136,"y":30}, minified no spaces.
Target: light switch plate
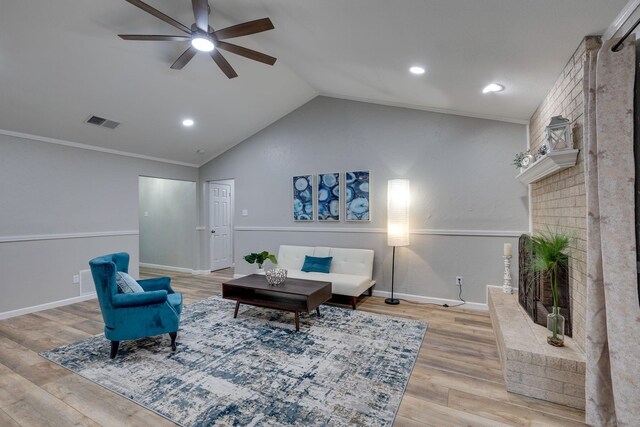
{"x":245,"y":212}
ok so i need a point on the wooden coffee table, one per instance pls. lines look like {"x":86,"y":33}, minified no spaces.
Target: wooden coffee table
{"x":295,"y":295}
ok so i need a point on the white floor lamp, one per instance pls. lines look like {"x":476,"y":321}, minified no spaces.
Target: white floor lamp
{"x":397,"y":222}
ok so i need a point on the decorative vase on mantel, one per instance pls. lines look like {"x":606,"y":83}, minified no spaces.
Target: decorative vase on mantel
{"x":555,"y":327}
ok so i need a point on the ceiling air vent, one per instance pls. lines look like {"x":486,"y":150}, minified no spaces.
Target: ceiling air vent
{"x":110,"y":124}
{"x":99,"y":121}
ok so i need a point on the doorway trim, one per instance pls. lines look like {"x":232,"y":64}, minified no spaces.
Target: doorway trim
{"x":187,"y":225}
{"x":231,"y":183}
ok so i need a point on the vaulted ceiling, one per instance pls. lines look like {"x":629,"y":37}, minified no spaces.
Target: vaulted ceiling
{"x":61,"y":61}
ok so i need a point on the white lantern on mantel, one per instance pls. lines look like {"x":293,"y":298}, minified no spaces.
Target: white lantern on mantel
{"x":558,"y":134}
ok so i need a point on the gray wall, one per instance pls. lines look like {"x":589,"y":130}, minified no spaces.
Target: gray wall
{"x":60,"y":206}
{"x":167,"y":218}
{"x":51,"y":197}
{"x":461,"y":180}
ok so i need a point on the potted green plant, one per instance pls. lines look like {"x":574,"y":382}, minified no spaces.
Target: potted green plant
{"x":550,"y":254}
{"x":260,"y":258}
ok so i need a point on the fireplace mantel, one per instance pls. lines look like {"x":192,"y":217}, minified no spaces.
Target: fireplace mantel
{"x":551,"y":163}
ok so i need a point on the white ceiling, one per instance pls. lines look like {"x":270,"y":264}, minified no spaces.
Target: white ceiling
{"x":61,"y":61}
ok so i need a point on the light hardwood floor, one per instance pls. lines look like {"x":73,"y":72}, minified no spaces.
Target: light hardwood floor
{"x":456,"y":381}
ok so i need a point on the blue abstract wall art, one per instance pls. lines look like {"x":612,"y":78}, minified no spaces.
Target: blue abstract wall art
{"x":357,"y":196}
{"x":329,"y":197}
{"x":303,"y":198}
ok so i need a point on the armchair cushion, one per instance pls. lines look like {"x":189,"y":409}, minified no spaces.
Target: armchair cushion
{"x":176,"y":301}
{"x":156,"y":284}
{"x":138,"y":299}
{"x":127,"y":284}
{"x":163,"y":283}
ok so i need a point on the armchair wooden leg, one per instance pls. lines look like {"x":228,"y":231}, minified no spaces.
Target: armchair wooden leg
{"x":114,"y":349}
{"x":173,"y":336}
{"x":371,"y":291}
{"x":354,"y":300}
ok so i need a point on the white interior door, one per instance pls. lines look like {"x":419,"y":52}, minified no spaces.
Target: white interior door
{"x":220,"y":242}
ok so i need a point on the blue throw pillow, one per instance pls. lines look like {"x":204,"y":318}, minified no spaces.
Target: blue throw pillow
{"x":317,"y":264}
{"x":127,"y":284}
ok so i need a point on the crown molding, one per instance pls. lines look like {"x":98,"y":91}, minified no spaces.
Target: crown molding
{"x":91,"y":147}
{"x":425,"y":108}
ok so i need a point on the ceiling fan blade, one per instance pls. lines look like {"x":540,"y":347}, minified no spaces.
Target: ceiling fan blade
{"x":184,"y":58}
{"x":201,"y":13}
{"x":143,"y":37}
{"x":160,"y":15}
{"x":223,"y":64}
{"x":247,"y":53}
{"x":251,"y":27}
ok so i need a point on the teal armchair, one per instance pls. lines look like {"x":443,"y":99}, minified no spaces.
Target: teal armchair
{"x":134,"y":315}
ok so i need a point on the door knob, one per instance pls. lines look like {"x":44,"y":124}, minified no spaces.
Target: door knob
{"x":213,"y":231}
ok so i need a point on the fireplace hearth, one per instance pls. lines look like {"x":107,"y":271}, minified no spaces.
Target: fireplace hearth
{"x":534,"y":288}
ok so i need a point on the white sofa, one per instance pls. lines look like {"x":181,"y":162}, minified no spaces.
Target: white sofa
{"x":351,"y":270}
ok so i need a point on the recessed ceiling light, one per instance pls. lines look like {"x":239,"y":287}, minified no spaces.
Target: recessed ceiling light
{"x":493,"y":87}
{"x":187,"y":122}
{"x":416,"y":70}
{"x":202,"y":43}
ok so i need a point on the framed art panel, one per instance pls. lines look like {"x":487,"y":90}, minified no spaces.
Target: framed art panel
{"x":329,"y":197}
{"x":356,"y":196}
{"x":303,"y":198}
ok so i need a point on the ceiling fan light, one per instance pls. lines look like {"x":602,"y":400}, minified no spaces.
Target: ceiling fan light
{"x":202,"y":43}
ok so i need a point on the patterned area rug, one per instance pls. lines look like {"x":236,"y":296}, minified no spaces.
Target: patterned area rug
{"x":343,"y":368}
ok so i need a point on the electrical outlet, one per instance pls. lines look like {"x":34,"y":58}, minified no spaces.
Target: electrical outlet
{"x":76,"y":278}
{"x":458,"y":280}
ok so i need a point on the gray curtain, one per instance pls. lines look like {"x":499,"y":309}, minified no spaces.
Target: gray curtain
{"x":613,"y":312}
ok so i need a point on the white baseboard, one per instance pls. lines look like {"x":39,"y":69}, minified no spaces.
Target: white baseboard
{"x":169,"y":267}
{"x":172,"y":268}
{"x":418,"y":298}
{"x":200,"y":271}
{"x":54,"y":304}
{"x":431,"y":300}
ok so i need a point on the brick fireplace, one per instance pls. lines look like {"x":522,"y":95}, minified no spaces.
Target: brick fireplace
{"x":559,"y":201}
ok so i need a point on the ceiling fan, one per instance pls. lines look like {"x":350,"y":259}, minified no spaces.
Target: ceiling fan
{"x":204,"y":38}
